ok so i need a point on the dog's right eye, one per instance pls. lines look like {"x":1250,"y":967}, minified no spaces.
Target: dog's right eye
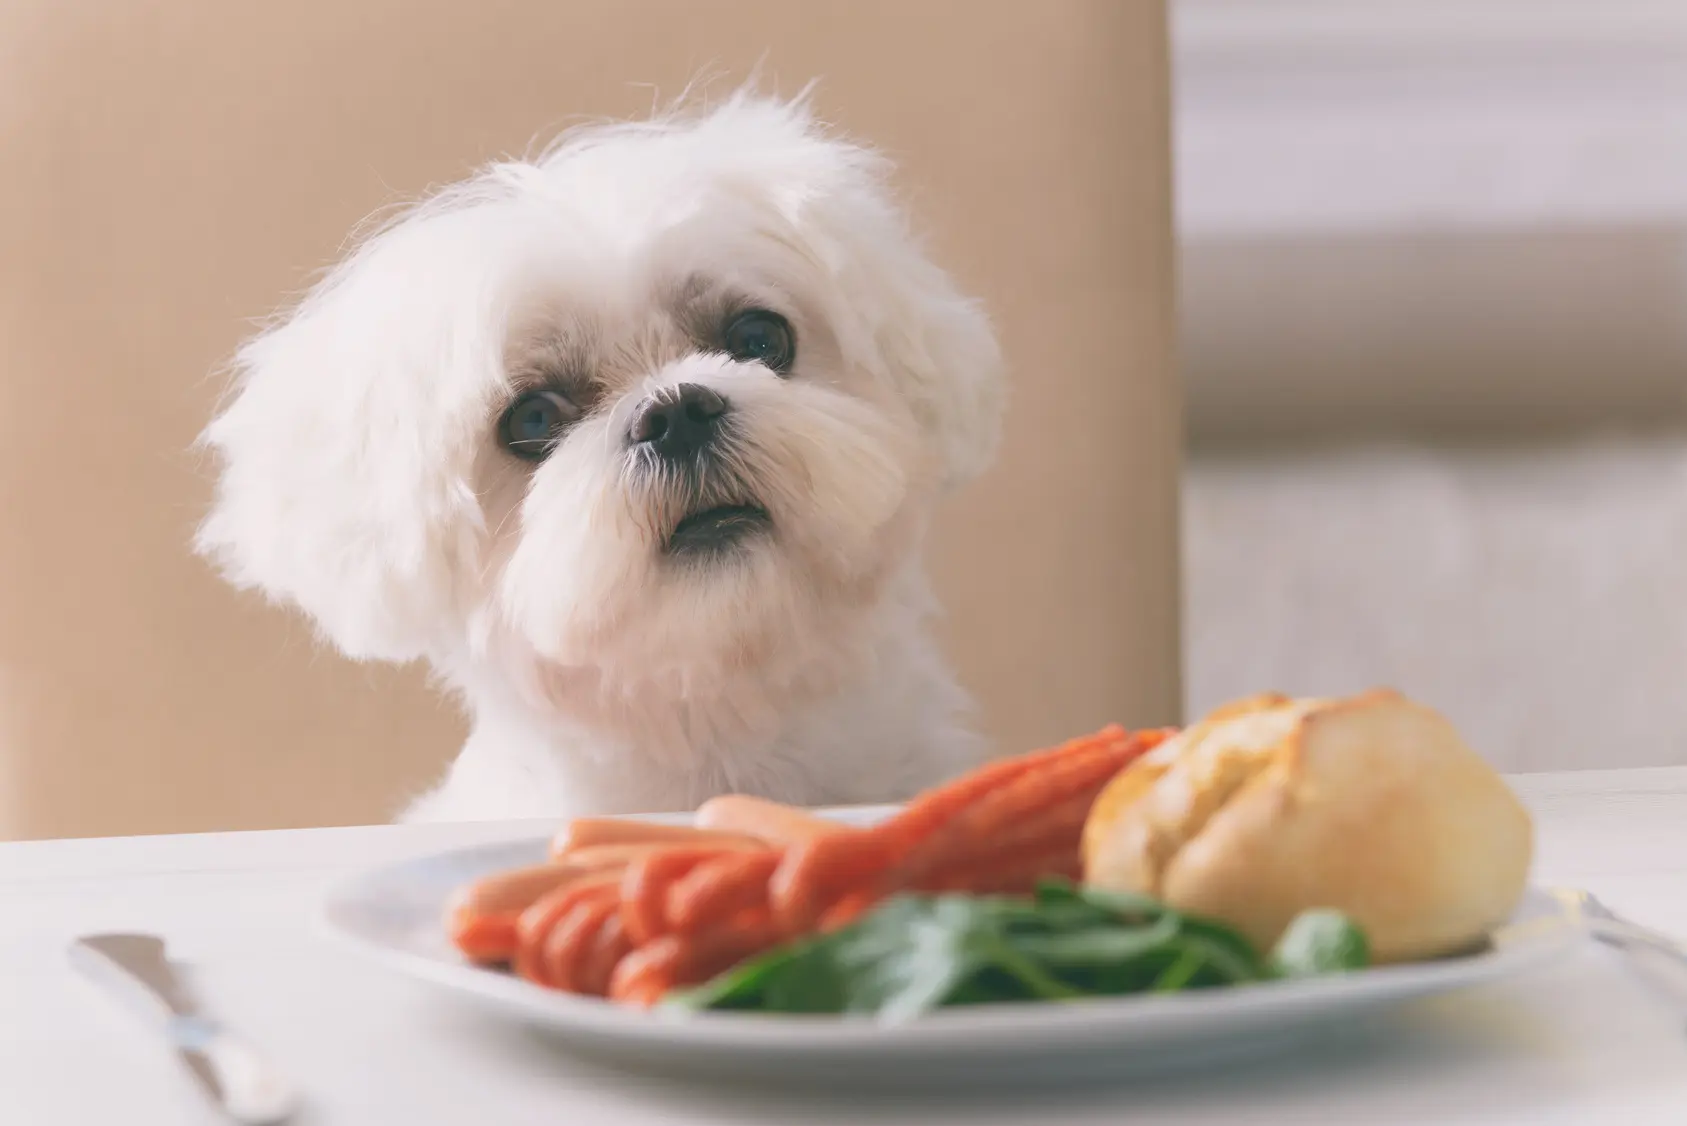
{"x":534,"y":422}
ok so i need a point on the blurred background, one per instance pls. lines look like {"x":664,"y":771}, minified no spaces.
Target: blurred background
{"x":1422,"y":357}
{"x":1434,"y":330}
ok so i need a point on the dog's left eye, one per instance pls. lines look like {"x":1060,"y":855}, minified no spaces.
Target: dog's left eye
{"x":534,"y":422}
{"x":761,"y":337}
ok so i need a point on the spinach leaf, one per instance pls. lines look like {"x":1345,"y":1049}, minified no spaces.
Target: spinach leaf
{"x":1095,"y":946}
{"x":796,"y":978}
{"x":915,"y":953}
{"x":1320,"y":942}
{"x":1108,"y":904}
{"x":911,"y":954}
{"x":1181,"y":973}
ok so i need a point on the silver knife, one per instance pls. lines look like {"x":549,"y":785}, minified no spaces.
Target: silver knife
{"x":133,"y":969}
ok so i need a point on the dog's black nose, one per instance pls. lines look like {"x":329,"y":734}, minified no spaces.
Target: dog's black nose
{"x":679,"y":422}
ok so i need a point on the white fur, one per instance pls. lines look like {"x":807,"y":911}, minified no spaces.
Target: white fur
{"x":362,"y":480}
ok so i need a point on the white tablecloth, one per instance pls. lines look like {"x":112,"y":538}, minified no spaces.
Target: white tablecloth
{"x":1584,"y":1041}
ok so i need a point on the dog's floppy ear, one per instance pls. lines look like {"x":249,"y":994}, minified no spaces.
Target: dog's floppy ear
{"x":946,"y":354}
{"x":346,"y":449}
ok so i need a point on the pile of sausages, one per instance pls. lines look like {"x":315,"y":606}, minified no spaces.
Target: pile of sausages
{"x":629,"y":910}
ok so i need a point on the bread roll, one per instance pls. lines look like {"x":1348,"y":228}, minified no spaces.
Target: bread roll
{"x":1371,"y":805}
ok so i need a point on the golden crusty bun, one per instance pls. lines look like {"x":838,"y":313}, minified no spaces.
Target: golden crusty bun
{"x":1371,"y":805}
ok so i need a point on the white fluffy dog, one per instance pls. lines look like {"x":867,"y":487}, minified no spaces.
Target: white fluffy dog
{"x":636,"y":444}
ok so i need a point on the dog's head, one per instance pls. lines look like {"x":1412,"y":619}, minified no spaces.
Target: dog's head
{"x":673,"y":397}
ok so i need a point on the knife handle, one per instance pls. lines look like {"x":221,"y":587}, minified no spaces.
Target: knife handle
{"x":134,"y":970}
{"x":243,"y":1081}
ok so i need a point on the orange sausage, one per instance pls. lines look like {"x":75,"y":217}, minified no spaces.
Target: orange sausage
{"x":813,"y":876}
{"x":481,"y":918}
{"x":644,"y":888}
{"x":620,"y":855}
{"x":770,"y":821}
{"x":719,"y":889}
{"x":846,"y":910}
{"x":535,"y":923}
{"x":609,"y":947}
{"x":961,"y":845}
{"x":650,"y":971}
{"x":487,"y":939}
{"x":936,"y":807}
{"x":565,"y":951}
{"x":1020,"y":875}
{"x":592,"y":832}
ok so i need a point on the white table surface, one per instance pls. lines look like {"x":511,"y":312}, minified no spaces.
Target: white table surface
{"x":1584,"y":1041}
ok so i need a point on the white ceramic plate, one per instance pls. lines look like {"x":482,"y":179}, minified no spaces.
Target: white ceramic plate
{"x":394,"y":914}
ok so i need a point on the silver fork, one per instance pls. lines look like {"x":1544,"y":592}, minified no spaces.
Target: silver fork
{"x":1660,"y":958}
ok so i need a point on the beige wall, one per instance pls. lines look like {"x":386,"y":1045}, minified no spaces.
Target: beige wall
{"x":174,"y":167}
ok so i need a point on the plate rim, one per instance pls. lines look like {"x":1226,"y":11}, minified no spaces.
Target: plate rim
{"x":785,"y":1033}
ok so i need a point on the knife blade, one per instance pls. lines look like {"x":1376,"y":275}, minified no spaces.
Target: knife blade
{"x":135,"y":971}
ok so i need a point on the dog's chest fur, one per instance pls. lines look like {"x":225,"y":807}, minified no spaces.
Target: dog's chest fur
{"x":895,"y":723}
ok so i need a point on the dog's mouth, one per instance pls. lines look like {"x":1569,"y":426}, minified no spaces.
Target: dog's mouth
{"x":715,"y":529}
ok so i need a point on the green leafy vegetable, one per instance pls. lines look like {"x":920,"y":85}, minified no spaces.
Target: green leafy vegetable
{"x":1320,"y":942}
{"x":915,"y":953}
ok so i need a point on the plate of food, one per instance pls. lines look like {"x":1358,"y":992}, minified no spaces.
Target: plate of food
{"x":1111,"y":903}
